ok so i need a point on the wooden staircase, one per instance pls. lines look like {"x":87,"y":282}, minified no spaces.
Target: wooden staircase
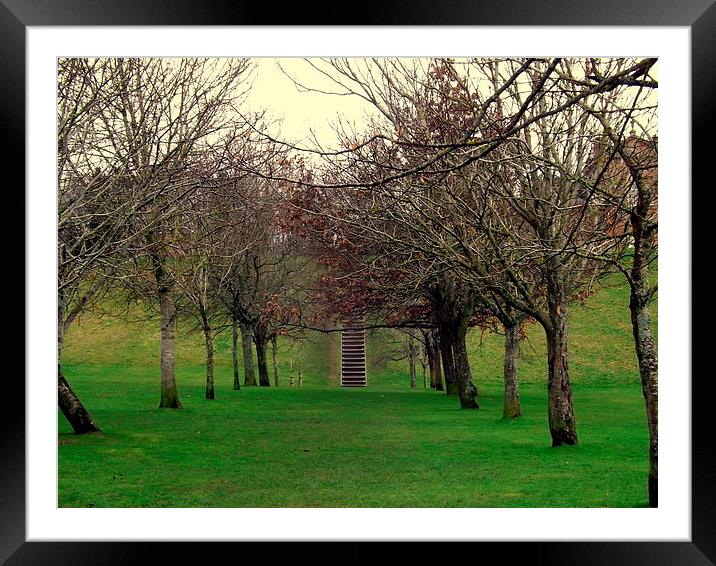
{"x":353,"y":354}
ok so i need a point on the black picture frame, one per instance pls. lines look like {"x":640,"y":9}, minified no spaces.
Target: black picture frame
{"x":699,"y":15}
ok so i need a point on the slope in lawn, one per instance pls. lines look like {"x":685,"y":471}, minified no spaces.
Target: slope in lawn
{"x":322,"y":446}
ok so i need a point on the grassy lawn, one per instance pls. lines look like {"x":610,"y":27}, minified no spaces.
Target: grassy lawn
{"x":323,"y":446}
{"x":374,"y":447}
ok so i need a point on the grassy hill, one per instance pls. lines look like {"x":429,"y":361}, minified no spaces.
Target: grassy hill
{"x":323,"y":446}
{"x":600,"y":348}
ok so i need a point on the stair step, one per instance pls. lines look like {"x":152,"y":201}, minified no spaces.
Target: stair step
{"x":353,"y":353}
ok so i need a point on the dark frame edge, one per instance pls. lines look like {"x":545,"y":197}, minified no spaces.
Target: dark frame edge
{"x":12,"y":112}
{"x":703,"y":121}
{"x":700,"y":551}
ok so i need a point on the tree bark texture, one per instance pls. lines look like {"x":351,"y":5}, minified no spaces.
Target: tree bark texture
{"x":446,"y":354}
{"x":433,"y":353}
{"x":454,"y":310}
{"x":75,"y":412}
{"x":249,"y":372}
{"x":261,"y":344}
{"x":646,"y":349}
{"x":560,"y":405}
{"x":209,"y":341}
{"x":466,"y":388}
{"x":73,"y":409}
{"x":454,"y":307}
{"x":169,"y":393}
{"x":512,"y":407}
{"x":648,"y":369}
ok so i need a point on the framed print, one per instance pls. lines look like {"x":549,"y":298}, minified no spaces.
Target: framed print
{"x":680,"y":34}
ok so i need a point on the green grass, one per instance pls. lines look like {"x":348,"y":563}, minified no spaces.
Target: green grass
{"x":323,"y":446}
{"x":374,"y":447}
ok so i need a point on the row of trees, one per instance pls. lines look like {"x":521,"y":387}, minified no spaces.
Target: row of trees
{"x":491,"y":192}
{"x":484,"y":192}
{"x":156,"y":200}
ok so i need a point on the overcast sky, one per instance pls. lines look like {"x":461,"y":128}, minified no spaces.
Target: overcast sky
{"x":301,"y":111}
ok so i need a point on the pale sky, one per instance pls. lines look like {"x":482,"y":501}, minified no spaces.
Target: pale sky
{"x":301,"y":111}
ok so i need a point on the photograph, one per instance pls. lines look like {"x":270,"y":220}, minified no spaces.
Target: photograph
{"x":359,"y":283}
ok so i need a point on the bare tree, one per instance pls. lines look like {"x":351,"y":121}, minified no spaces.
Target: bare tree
{"x":432,"y":353}
{"x":208,"y":247}
{"x":142,"y":150}
{"x":540,"y":232}
{"x":84,"y":232}
{"x":624,"y":177}
{"x":262,"y":284}
{"x":475,"y":171}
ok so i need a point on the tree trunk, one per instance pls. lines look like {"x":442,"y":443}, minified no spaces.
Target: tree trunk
{"x":249,"y":372}
{"x":433,"y":352}
{"x":430,"y":355}
{"x":75,"y":412}
{"x":446,"y":353}
{"x":235,"y":351}
{"x":646,"y":350}
{"x":511,"y":407}
{"x":261,"y":341}
{"x":206,"y":326}
{"x":274,"y":347}
{"x":463,"y":376}
{"x":73,"y":409}
{"x":560,"y":406}
{"x":648,"y":369}
{"x":454,"y":306}
{"x":169,"y":393}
